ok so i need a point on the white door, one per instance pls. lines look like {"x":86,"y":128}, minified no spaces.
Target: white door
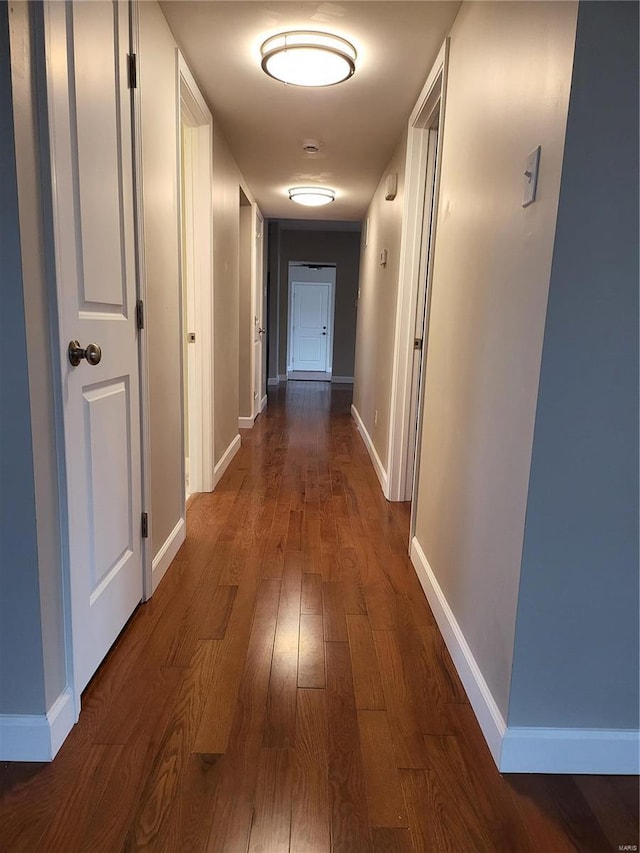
{"x":310,"y":330}
{"x":259,"y":324}
{"x":90,"y":129}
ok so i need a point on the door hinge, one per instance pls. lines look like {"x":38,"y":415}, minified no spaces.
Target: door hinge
{"x":417,"y":343}
{"x":140,"y":314}
{"x":145,"y":526}
{"x":132,"y":64}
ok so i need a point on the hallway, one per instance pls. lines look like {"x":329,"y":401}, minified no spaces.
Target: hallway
{"x":287,"y":688}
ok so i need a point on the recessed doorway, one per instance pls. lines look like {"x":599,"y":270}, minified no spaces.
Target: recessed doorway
{"x":311,"y":316}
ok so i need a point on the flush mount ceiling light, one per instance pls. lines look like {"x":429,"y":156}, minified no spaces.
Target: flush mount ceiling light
{"x":305,"y":58}
{"x":312,"y":196}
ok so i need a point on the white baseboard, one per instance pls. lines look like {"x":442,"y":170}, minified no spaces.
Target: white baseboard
{"x":225,"y":460}
{"x":245,"y":423}
{"x":37,"y":737}
{"x":373,"y":453}
{"x":282,"y":377}
{"x":519,"y":749}
{"x":484,"y":707}
{"x":167,"y":553}
{"x":263,"y":403}
{"x":345,"y":380}
{"x":273,"y":380}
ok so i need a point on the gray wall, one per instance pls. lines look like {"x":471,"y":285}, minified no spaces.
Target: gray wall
{"x":377,"y":307}
{"x":576,"y":648}
{"x":343,"y":249}
{"x":273,"y":284}
{"x":32,"y":660}
{"x":163,"y":309}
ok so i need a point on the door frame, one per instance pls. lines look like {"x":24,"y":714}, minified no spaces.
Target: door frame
{"x":196,"y":231}
{"x":141,"y":283}
{"x":332,"y":305}
{"x":257,"y":307}
{"x":420,"y":216}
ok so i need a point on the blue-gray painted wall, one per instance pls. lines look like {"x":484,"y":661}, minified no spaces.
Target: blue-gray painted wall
{"x":22,"y":688}
{"x":576,"y":646}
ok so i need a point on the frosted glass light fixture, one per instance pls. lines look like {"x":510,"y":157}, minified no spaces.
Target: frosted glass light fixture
{"x":304,"y":58}
{"x":312,"y":196}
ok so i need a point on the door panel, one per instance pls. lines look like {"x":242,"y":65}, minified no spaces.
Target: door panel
{"x":107,"y":427}
{"x":97,"y":107}
{"x":310,"y":326}
{"x":90,"y":131}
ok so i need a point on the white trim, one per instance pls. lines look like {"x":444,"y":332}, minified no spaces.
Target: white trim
{"x":245,"y":423}
{"x":345,"y":380}
{"x":274,"y":380}
{"x":226,"y":459}
{"x":409,"y":272}
{"x":519,"y":749}
{"x":282,"y":377}
{"x":142,"y":293}
{"x":257,"y":306}
{"x":37,"y":737}
{"x":484,"y":706}
{"x":167,"y":553}
{"x":378,"y":467}
{"x":196,"y":116}
{"x":263,"y":403}
{"x":542,"y":750}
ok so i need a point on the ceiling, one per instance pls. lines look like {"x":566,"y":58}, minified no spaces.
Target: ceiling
{"x":359,"y":122}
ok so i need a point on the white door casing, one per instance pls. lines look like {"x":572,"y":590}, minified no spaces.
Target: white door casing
{"x":415,"y":269}
{"x":259,"y":323}
{"x":86,"y":46}
{"x":196,"y":246}
{"x":310,"y":326}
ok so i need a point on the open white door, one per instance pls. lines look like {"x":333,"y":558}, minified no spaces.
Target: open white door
{"x":87,"y":47}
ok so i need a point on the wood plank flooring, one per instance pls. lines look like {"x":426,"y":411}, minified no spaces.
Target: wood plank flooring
{"x":287,"y":689}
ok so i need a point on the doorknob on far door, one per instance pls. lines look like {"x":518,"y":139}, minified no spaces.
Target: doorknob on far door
{"x":76,"y":353}
{"x":324,"y":333}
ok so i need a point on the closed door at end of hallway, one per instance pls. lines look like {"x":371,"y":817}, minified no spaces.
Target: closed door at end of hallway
{"x":310,"y":326}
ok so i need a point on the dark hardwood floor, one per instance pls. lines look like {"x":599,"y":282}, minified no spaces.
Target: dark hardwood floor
{"x":287,"y":688}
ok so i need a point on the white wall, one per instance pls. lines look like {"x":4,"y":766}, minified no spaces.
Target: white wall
{"x":508,"y":92}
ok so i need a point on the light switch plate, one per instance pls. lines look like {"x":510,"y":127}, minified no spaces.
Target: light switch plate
{"x":531,"y":177}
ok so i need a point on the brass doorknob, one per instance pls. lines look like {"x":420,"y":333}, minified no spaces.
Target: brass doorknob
{"x":76,"y":353}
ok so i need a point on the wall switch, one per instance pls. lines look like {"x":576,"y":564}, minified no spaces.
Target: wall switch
{"x":383,"y":258}
{"x":531,"y":177}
